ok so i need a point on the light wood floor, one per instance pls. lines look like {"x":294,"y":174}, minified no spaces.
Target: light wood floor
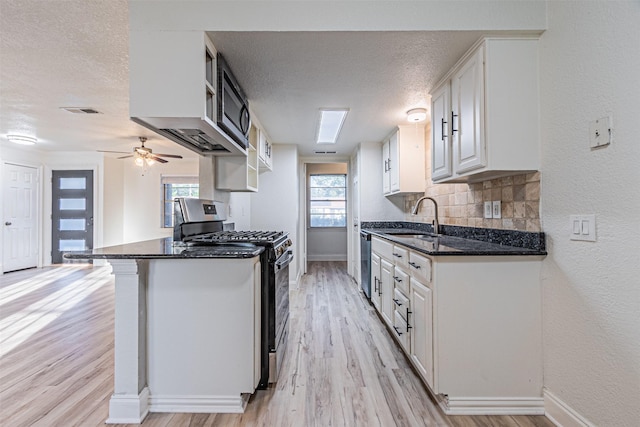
{"x":342,"y":367}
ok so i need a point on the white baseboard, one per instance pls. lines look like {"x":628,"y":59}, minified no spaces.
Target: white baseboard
{"x":327,"y":257}
{"x":199,"y":404}
{"x":562,"y":414}
{"x":128,"y":409}
{"x":492,"y":406}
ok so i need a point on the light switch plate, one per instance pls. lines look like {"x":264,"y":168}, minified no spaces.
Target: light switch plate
{"x":488,"y":210}
{"x":582,"y":227}
{"x":600,"y":132}
{"x":497,"y":209}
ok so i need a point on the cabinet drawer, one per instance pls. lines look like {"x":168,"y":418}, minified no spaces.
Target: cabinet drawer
{"x":401,"y":280}
{"x":400,"y":256}
{"x":382,"y":247}
{"x":400,"y":330}
{"x":420,"y":266}
{"x":401,"y":303}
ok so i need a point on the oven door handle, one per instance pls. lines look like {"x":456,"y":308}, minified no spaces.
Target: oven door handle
{"x":282,"y":263}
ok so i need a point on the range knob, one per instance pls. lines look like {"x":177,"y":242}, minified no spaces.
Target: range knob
{"x":289,"y":243}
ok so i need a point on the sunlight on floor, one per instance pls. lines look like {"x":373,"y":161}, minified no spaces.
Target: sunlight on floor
{"x":24,"y":287}
{"x":18,"y":327}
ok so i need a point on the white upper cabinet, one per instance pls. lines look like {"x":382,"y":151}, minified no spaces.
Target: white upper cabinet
{"x":403,"y":161}
{"x":491,"y":127}
{"x":239,"y":173}
{"x":173,"y":89}
{"x":440,"y":121}
{"x":467,"y":115}
{"x":265,"y":152}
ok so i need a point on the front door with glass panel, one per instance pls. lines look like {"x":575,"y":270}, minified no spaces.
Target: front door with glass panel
{"x":72,"y":212}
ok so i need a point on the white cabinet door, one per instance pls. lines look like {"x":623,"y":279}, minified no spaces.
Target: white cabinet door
{"x":386,"y":179}
{"x":265,"y":154}
{"x":422,"y":330}
{"x":467,"y":127}
{"x":386,"y":285}
{"x":440,"y":125}
{"x":375,"y":281}
{"x":393,"y":165}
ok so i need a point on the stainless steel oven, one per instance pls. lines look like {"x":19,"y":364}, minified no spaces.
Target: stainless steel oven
{"x":279,"y":319}
{"x":199,"y":222}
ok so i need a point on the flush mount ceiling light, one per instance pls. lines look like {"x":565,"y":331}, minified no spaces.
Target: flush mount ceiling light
{"x":22,"y":140}
{"x":330,"y":124}
{"x":417,"y":114}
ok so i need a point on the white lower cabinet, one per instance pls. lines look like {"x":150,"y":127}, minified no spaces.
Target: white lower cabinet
{"x":386,"y":289}
{"x":421,"y":352}
{"x":470,"y":325}
{"x":375,"y":281}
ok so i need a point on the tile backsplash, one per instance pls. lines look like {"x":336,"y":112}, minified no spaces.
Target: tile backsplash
{"x":463,"y":204}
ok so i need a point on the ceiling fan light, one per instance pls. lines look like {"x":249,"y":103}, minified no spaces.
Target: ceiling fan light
{"x":139,"y":161}
{"x":149,"y":161}
{"x":417,"y":115}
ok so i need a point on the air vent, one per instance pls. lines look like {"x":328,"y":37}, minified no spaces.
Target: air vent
{"x":77,"y":110}
{"x":325,"y":152}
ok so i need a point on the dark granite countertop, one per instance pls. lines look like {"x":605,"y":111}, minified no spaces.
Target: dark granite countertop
{"x":166,"y":249}
{"x":459,"y":241}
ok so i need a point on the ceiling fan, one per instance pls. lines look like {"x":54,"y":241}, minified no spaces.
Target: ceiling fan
{"x":143,"y":154}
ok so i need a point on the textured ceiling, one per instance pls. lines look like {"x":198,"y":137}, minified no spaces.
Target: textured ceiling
{"x":288,"y":76}
{"x":57,"y":54}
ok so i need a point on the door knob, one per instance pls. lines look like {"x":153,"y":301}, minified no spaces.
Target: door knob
{"x":7,"y":223}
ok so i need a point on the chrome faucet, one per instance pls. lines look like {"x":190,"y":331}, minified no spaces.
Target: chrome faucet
{"x":436,"y":224}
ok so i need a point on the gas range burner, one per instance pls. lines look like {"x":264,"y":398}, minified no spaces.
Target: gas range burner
{"x":239,"y":236}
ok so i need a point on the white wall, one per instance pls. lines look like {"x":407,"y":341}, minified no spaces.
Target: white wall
{"x":275,"y":206}
{"x":142,"y":198}
{"x":315,"y":15}
{"x":328,"y":244}
{"x":113,"y":224}
{"x":590,"y":68}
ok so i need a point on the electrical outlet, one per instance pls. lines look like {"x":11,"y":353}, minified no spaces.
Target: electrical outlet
{"x":488,"y":210}
{"x":497,"y":209}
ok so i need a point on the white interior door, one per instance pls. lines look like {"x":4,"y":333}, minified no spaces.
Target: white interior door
{"x":20,"y":211}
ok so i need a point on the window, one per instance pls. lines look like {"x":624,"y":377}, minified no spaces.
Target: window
{"x":172,"y":187}
{"x":328,"y":200}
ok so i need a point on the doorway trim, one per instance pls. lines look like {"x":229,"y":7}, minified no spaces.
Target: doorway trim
{"x":39,"y":213}
{"x":304,"y":161}
{"x":98,"y":173}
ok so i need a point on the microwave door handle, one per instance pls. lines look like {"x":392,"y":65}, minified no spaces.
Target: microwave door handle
{"x":245,"y":121}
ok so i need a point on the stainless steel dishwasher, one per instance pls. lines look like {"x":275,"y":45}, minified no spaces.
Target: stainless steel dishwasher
{"x":365,"y":262}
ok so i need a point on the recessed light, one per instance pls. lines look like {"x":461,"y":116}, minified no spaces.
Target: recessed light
{"x":22,"y":140}
{"x":330,"y":124}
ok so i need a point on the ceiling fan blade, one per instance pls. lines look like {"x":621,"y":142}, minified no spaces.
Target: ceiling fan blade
{"x":173,"y":156}
{"x":125,"y":157}
{"x":107,"y":151}
{"x":157,"y":159}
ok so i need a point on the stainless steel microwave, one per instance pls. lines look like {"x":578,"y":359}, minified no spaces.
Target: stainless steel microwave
{"x":233,"y":108}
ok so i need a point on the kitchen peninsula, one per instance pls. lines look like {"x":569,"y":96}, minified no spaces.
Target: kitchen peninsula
{"x":187,"y":327}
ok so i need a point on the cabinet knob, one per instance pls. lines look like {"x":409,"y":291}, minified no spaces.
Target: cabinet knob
{"x":7,"y":223}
